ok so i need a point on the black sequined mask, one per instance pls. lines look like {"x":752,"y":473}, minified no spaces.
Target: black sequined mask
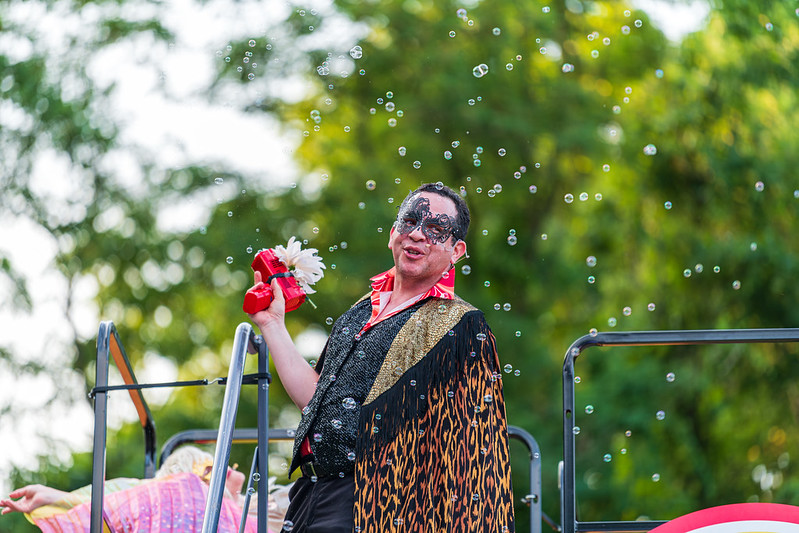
{"x":437,"y":228}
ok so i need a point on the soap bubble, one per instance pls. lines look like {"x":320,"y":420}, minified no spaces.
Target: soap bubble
{"x":229,"y":260}
{"x":349,"y":403}
{"x":651,"y":306}
{"x":650,"y":149}
{"x":687,"y":272}
{"x":533,"y":189}
{"x":501,"y":152}
{"x":590,"y":261}
{"x":508,"y":368}
{"x":759,"y":186}
{"x":667,"y":205}
{"x":506,"y":306}
{"x":589,"y":409}
{"x":612,"y":322}
{"x":356,"y":52}
{"x":417,"y":165}
{"x":568,"y":198}
{"x":402,"y":150}
{"x":660,"y":415}
{"x":670,"y":377}
{"x":496,"y":31}
{"x":466,"y":270}
{"x":371,"y":185}
{"x":452,"y":33}
{"x":655,"y":477}
{"x":607,"y":458}
{"x":480,"y":70}
{"x":447,"y":154}
{"x":512,"y":240}
{"x":567,"y":67}
{"x":736,"y":284}
{"x":576,"y":430}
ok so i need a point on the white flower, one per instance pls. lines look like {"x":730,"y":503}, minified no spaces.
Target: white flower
{"x":305,"y":265}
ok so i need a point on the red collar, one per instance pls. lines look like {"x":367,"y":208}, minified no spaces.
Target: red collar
{"x":444,"y":288}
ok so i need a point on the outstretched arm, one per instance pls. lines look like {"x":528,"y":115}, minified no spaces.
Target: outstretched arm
{"x":296,"y":375}
{"x":29,"y":498}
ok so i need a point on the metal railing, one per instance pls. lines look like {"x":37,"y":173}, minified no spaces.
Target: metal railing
{"x":224,"y":439}
{"x":108,"y":347}
{"x":569,"y":520}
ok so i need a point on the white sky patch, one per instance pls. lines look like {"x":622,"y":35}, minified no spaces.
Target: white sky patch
{"x":676,"y":19}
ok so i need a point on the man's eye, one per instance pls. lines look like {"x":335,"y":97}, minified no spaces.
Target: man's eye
{"x":409,"y":221}
{"x":435,"y":229}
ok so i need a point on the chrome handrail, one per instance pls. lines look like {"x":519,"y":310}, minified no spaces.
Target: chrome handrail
{"x":224,"y":440}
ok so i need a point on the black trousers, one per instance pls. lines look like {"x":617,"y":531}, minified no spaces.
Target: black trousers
{"x":324,"y":506}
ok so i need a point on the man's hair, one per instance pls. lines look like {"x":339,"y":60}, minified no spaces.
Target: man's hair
{"x":462,"y":218}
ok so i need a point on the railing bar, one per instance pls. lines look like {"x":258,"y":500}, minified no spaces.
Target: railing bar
{"x":636,"y":338}
{"x":213,"y":504}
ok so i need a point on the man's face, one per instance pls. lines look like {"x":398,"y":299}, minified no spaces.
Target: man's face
{"x":421,"y":239}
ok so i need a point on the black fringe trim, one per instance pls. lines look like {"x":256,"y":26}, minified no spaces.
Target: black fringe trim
{"x":410,"y":396}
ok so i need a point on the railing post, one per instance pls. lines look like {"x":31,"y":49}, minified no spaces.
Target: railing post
{"x":100,"y":421}
{"x":227,"y":423}
{"x":263,"y":432}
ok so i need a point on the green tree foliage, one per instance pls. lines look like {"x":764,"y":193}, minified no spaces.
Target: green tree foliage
{"x":616,"y":180}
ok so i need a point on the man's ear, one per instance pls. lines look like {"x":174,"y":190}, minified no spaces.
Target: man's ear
{"x":458,"y":251}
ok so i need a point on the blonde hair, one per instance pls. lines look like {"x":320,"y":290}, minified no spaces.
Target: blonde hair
{"x":190,"y":459}
{"x":186,"y":459}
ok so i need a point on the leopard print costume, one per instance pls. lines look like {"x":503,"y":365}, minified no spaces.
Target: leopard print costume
{"x":433,"y":453}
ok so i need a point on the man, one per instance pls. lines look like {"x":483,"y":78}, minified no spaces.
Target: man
{"x":403,"y":425}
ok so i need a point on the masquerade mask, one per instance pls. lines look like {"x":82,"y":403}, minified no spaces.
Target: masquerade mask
{"x":438,"y":228}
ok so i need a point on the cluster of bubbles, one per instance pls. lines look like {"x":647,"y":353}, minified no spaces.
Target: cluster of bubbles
{"x":480,"y":70}
{"x":584,"y":196}
{"x":512,"y":239}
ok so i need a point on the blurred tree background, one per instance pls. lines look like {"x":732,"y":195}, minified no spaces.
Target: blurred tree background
{"x":618,"y":180}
